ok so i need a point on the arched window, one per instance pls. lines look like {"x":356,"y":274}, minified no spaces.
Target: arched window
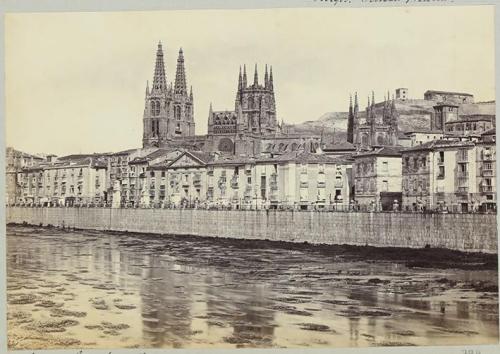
{"x":153,"y":104}
{"x":157,"y":110}
{"x":177,"y":112}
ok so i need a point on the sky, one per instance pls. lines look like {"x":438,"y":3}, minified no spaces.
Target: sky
{"x":75,"y":82}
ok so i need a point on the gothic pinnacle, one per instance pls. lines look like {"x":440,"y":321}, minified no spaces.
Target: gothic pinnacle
{"x":271,"y":85}
{"x":255,"y":77}
{"x":266,"y":78}
{"x":240,"y":81}
{"x":244,"y":76}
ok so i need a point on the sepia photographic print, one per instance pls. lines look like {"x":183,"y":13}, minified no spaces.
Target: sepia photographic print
{"x":265,"y":178}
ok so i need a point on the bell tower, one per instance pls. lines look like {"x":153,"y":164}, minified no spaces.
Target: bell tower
{"x":168,"y":109}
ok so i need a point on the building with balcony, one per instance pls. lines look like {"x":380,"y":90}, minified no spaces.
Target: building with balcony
{"x":75,"y":181}
{"x":377,"y":178}
{"x":449,"y":174}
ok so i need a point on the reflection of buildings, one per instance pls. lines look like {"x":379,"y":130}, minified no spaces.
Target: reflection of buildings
{"x":166,"y":305}
{"x":245,"y":309}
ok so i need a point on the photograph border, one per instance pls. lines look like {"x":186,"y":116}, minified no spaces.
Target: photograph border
{"x":8,"y":6}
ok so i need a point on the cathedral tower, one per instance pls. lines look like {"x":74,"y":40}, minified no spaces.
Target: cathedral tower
{"x":168,"y":111}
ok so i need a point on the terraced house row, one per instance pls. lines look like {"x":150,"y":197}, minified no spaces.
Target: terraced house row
{"x":182,"y":178}
{"x":454,"y":174}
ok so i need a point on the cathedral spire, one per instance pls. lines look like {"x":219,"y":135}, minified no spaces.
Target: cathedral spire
{"x":240,"y":81}
{"x":266,"y":79}
{"x":159,"y":79}
{"x":244,"y":83}
{"x":255,"y":77}
{"x":350,"y":122}
{"x":147,"y":87}
{"x":180,"y":76}
{"x":356,"y":106}
{"x":271,"y":85}
{"x":373,"y":98}
{"x":191,"y":93}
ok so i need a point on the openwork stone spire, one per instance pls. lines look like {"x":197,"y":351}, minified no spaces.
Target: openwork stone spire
{"x":159,"y":79}
{"x":180,"y":86}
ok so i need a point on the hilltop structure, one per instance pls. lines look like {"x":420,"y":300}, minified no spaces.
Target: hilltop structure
{"x":376,"y":128}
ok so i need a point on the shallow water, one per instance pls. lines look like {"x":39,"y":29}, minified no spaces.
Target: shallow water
{"x":83,"y":289}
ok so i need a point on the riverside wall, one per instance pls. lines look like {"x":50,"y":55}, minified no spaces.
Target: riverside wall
{"x":463,"y":232}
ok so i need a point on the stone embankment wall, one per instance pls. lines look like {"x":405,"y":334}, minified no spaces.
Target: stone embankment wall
{"x":464,"y":232}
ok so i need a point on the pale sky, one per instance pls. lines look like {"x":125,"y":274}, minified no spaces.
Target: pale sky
{"x":75,"y":82}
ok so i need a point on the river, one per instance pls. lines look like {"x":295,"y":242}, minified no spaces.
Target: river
{"x":86,"y":289}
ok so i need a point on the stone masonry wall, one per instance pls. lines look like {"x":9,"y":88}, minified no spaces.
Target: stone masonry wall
{"x":464,"y":232}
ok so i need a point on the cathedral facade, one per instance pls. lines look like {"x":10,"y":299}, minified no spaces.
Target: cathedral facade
{"x":377,"y":127}
{"x":168,"y":110}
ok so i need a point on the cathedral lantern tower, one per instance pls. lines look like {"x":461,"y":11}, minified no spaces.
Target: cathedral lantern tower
{"x":168,"y":110}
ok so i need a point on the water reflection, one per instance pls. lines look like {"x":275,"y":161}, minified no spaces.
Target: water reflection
{"x":96,"y":290}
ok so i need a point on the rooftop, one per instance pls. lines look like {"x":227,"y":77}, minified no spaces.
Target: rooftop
{"x":448,"y":93}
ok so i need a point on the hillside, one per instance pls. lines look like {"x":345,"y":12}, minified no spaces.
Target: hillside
{"x":413,"y":115}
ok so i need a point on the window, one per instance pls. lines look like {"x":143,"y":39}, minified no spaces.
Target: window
{"x":441,"y":157}
{"x":177,"y":112}
{"x":385,"y":166}
{"x":441,"y":172}
{"x":163,"y":173}
{"x":263,"y":187}
{"x":385,"y":185}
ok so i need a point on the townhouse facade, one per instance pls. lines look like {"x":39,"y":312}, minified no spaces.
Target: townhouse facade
{"x":75,"y":182}
{"x":299,"y":180}
{"x":378,"y":179}
{"x":450,"y":175}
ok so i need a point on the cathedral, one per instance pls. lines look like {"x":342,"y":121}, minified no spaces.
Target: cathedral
{"x":250,"y":129}
{"x":377,"y":127}
{"x":168,"y":111}
{"x":254,"y":117}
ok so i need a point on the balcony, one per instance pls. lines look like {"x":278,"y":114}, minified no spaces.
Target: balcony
{"x":304,"y":184}
{"x":462,"y":174}
{"x":486,"y":189}
{"x":462,"y":189}
{"x":321,"y":184}
{"x":487,"y":172}
{"x":487,"y":156}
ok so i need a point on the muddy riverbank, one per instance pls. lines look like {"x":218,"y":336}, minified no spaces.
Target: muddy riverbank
{"x":412,"y":257}
{"x":93,"y":289}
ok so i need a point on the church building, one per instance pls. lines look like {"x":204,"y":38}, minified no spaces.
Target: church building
{"x":377,"y":127}
{"x":168,"y":110}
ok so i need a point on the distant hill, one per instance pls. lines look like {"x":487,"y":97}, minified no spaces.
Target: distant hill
{"x":413,"y":115}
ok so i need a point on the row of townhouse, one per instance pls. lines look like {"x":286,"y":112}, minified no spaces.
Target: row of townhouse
{"x":175,"y":178}
{"x":295,"y":180}
{"x":76,"y":181}
{"x":448,"y":174}
{"x":454,"y":174}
